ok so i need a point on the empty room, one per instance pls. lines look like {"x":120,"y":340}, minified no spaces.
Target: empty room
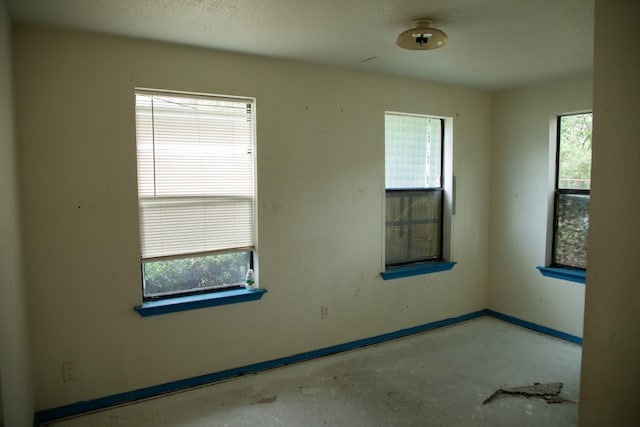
{"x":347,"y":213}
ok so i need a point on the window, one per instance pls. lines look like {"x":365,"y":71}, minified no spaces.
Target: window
{"x":414,"y":189}
{"x":196,"y":191}
{"x":572,"y":192}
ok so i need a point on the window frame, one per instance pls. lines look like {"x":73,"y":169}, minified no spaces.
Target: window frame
{"x":447,"y":209}
{"x":410,"y":223}
{"x":219,"y":295}
{"x":556,"y":198}
{"x":558,"y":192}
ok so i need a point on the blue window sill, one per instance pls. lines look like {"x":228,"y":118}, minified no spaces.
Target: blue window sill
{"x":192,"y":302}
{"x":417,"y":269}
{"x":578,"y":276}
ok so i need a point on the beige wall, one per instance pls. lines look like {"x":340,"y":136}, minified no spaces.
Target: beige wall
{"x":610,"y":369}
{"x":523,"y":165}
{"x":321,"y":188}
{"x":16,"y":403}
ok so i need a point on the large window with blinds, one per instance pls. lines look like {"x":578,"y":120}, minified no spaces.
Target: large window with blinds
{"x":414,"y":189}
{"x":196,"y":191}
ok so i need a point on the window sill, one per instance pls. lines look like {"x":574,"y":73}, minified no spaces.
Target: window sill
{"x":192,"y":302}
{"x":578,"y":276}
{"x":417,"y":269}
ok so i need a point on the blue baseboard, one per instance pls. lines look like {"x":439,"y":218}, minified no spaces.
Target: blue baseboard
{"x":49,"y":415}
{"x":130,"y":396}
{"x":534,"y":327}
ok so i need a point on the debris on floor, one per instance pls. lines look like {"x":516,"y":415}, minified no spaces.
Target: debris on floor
{"x":549,"y":392}
{"x":269,"y":399}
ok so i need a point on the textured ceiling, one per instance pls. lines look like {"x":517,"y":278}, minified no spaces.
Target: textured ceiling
{"x":493,"y":44}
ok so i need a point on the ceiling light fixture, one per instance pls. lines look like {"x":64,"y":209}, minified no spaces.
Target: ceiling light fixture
{"x":422,"y":37}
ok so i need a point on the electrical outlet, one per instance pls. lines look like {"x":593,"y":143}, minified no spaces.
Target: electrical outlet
{"x":324,"y":312}
{"x":69,"y":371}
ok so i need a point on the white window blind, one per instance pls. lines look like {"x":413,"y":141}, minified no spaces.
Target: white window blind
{"x":196,"y":186}
{"x":413,"y":151}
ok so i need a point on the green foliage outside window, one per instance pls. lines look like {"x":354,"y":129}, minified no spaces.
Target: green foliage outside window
{"x":195,"y":274}
{"x":575,"y":152}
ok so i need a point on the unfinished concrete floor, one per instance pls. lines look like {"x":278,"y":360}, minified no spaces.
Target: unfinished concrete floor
{"x":436,"y":378}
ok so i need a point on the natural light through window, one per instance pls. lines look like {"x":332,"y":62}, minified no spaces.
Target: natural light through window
{"x":573,"y":185}
{"x":414,"y":191}
{"x":196,"y":191}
